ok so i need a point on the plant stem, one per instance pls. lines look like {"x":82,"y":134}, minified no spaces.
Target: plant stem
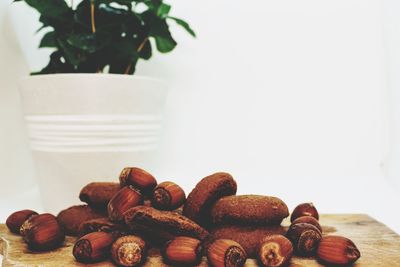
{"x":140,"y":48}
{"x":92,"y":16}
{"x":72,"y":4}
{"x":128,"y":69}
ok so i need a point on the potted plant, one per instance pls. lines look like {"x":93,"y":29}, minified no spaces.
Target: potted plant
{"x":87,"y":116}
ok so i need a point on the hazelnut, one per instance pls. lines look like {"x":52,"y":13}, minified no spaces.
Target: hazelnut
{"x":126,"y":198}
{"x":337,"y":250}
{"x":226,"y":253}
{"x":305,"y":238}
{"x":15,"y":220}
{"x":129,"y":250}
{"x":140,"y":179}
{"x":310,"y":220}
{"x":42,"y":232}
{"x":168,"y":196}
{"x":275,"y":250}
{"x":182,"y":251}
{"x":93,"y":247}
{"x":304,"y":209}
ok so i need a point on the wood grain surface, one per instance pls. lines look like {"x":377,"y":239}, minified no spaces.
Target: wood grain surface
{"x":379,"y":246}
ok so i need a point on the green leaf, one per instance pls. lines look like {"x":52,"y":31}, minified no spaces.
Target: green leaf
{"x":163,"y":10}
{"x":165,"y":44}
{"x":72,"y":54}
{"x":61,"y":24}
{"x":50,"y":8}
{"x":89,"y":42}
{"x":125,"y":49}
{"x":48,"y":40}
{"x":184,"y":25}
{"x":56,"y":65}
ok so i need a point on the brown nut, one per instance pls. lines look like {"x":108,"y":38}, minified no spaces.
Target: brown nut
{"x":98,"y":194}
{"x":305,"y":238}
{"x":304,"y":209}
{"x":226,"y":253}
{"x":275,"y":250}
{"x":42,"y":232}
{"x":337,"y":250}
{"x":93,"y":247}
{"x":129,"y":250}
{"x":140,"y":179}
{"x":126,"y":198}
{"x":247,"y":236}
{"x":16,"y":219}
{"x":168,"y":196}
{"x":182,"y":251}
{"x":310,"y":220}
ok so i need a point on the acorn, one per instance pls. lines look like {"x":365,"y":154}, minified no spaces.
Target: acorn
{"x":305,"y":238}
{"x":274,"y":250}
{"x":126,"y":198}
{"x":42,"y":232}
{"x":93,"y":247}
{"x":168,"y":196}
{"x":16,"y":219}
{"x":310,"y":220}
{"x":140,"y":179}
{"x":337,"y":250}
{"x":129,"y":250}
{"x":304,"y":209}
{"x":182,"y":251}
{"x":226,"y":253}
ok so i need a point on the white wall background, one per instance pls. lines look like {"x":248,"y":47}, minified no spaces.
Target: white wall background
{"x":289,"y":96}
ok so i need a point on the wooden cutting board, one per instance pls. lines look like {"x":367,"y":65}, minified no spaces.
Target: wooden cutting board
{"x":379,"y":246}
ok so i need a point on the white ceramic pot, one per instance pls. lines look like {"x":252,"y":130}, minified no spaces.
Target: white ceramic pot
{"x":87,"y":127}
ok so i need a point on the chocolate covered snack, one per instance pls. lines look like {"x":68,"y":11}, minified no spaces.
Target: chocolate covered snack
{"x":165,"y":222}
{"x":249,"y":210}
{"x":247,"y":236}
{"x":205,"y":194}
{"x":71,"y":218}
{"x":97,"y":195}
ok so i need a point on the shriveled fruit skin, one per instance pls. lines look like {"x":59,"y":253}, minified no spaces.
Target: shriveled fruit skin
{"x":166,"y":223}
{"x":205,"y":194}
{"x":71,"y":218}
{"x":249,"y":210}
{"x":103,"y":225}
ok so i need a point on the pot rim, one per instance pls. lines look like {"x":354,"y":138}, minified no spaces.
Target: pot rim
{"x":98,"y":76}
